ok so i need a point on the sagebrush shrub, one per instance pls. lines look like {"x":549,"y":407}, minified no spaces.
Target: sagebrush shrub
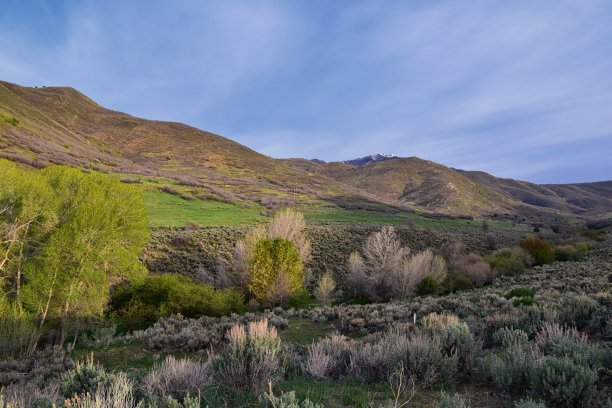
{"x":118,"y":392}
{"x":451,"y":401}
{"x":84,"y":379}
{"x":507,"y":337}
{"x":570,"y":252}
{"x":512,"y":370}
{"x":329,"y":357}
{"x":529,"y":403}
{"x":285,"y":400}
{"x":177,"y":378}
{"x":562,"y":382}
{"x":251,"y":359}
{"x":577,"y":310}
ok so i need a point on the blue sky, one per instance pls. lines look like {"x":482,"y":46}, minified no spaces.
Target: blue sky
{"x":520,"y":89}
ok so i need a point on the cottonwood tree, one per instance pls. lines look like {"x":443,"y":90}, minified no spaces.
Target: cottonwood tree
{"x":286,"y":224}
{"x":101,"y":231}
{"x":28,"y":213}
{"x":277,"y":271}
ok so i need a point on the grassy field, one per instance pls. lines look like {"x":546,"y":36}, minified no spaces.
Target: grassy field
{"x":167,"y":210}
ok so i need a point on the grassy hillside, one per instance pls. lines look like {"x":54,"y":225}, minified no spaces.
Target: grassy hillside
{"x":61,"y":125}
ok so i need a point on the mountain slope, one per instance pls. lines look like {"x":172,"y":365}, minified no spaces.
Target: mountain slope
{"x":421,"y":184}
{"x":61,"y":125}
{"x":587,"y":199}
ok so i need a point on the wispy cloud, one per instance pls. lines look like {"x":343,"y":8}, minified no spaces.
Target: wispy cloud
{"x":519,"y":89}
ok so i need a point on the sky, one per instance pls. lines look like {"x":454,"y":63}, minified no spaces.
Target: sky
{"x":520,"y":89}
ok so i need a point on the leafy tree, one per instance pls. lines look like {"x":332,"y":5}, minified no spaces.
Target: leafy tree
{"x":28,"y":213}
{"x":277,"y":271}
{"x":101,"y":231}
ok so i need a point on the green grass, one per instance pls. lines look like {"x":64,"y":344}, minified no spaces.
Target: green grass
{"x":348,"y":393}
{"x":327,"y":214}
{"x":305,"y":332}
{"x":167,"y":210}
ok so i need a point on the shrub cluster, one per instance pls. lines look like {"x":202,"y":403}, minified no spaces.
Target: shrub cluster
{"x":158,"y":296}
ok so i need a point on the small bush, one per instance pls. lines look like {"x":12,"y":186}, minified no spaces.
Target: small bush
{"x":117,"y":392}
{"x":512,"y":370}
{"x":177,"y":378}
{"x":520,"y":292}
{"x":529,"y":403}
{"x":562,"y":382}
{"x":325,"y":289}
{"x":507,"y":337}
{"x":428,"y":286}
{"x":329,"y":358}
{"x":451,"y":401}
{"x":250,"y":360}
{"x":577,"y":310}
{"x":285,"y":400}
{"x":84,"y":379}
{"x":541,"y":251}
{"x":570,"y":252}
{"x":506,"y":263}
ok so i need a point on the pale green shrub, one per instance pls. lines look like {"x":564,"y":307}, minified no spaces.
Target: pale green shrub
{"x":251,"y":359}
{"x":512,"y":370}
{"x":577,"y":310}
{"x":529,"y":403}
{"x":507,"y":337}
{"x":177,"y":378}
{"x":116,"y":393}
{"x":562,"y":382}
{"x":285,"y":400}
{"x":451,"y":401}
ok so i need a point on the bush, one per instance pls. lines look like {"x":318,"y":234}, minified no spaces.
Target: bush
{"x":472,"y":266}
{"x":277,"y":271}
{"x":17,"y":328}
{"x":162,"y":295}
{"x":541,"y":251}
{"x":512,"y":370}
{"x":329,"y":358}
{"x":251,"y":359}
{"x":285,"y":400}
{"x":428,"y":286}
{"x":507,"y":337}
{"x":84,"y":379}
{"x":577,"y":310}
{"x":562,"y":382}
{"x":570,"y":252}
{"x":520,"y":292}
{"x":451,"y":401}
{"x":117,"y":392}
{"x":529,"y":403}
{"x":506,"y":263}
{"x":177,"y":378}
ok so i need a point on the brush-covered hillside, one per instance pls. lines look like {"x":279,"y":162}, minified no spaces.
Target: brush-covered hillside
{"x":58,"y":125}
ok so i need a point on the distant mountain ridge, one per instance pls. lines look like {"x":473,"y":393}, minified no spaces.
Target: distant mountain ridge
{"x":373,"y":158}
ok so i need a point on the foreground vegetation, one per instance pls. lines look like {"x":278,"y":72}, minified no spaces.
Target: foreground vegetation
{"x":287,"y":315}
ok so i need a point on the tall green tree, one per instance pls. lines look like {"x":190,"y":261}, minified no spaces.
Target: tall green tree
{"x":101,"y":232}
{"x":28,"y":214}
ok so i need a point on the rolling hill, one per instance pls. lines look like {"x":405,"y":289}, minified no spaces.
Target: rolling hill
{"x":59,"y":125}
